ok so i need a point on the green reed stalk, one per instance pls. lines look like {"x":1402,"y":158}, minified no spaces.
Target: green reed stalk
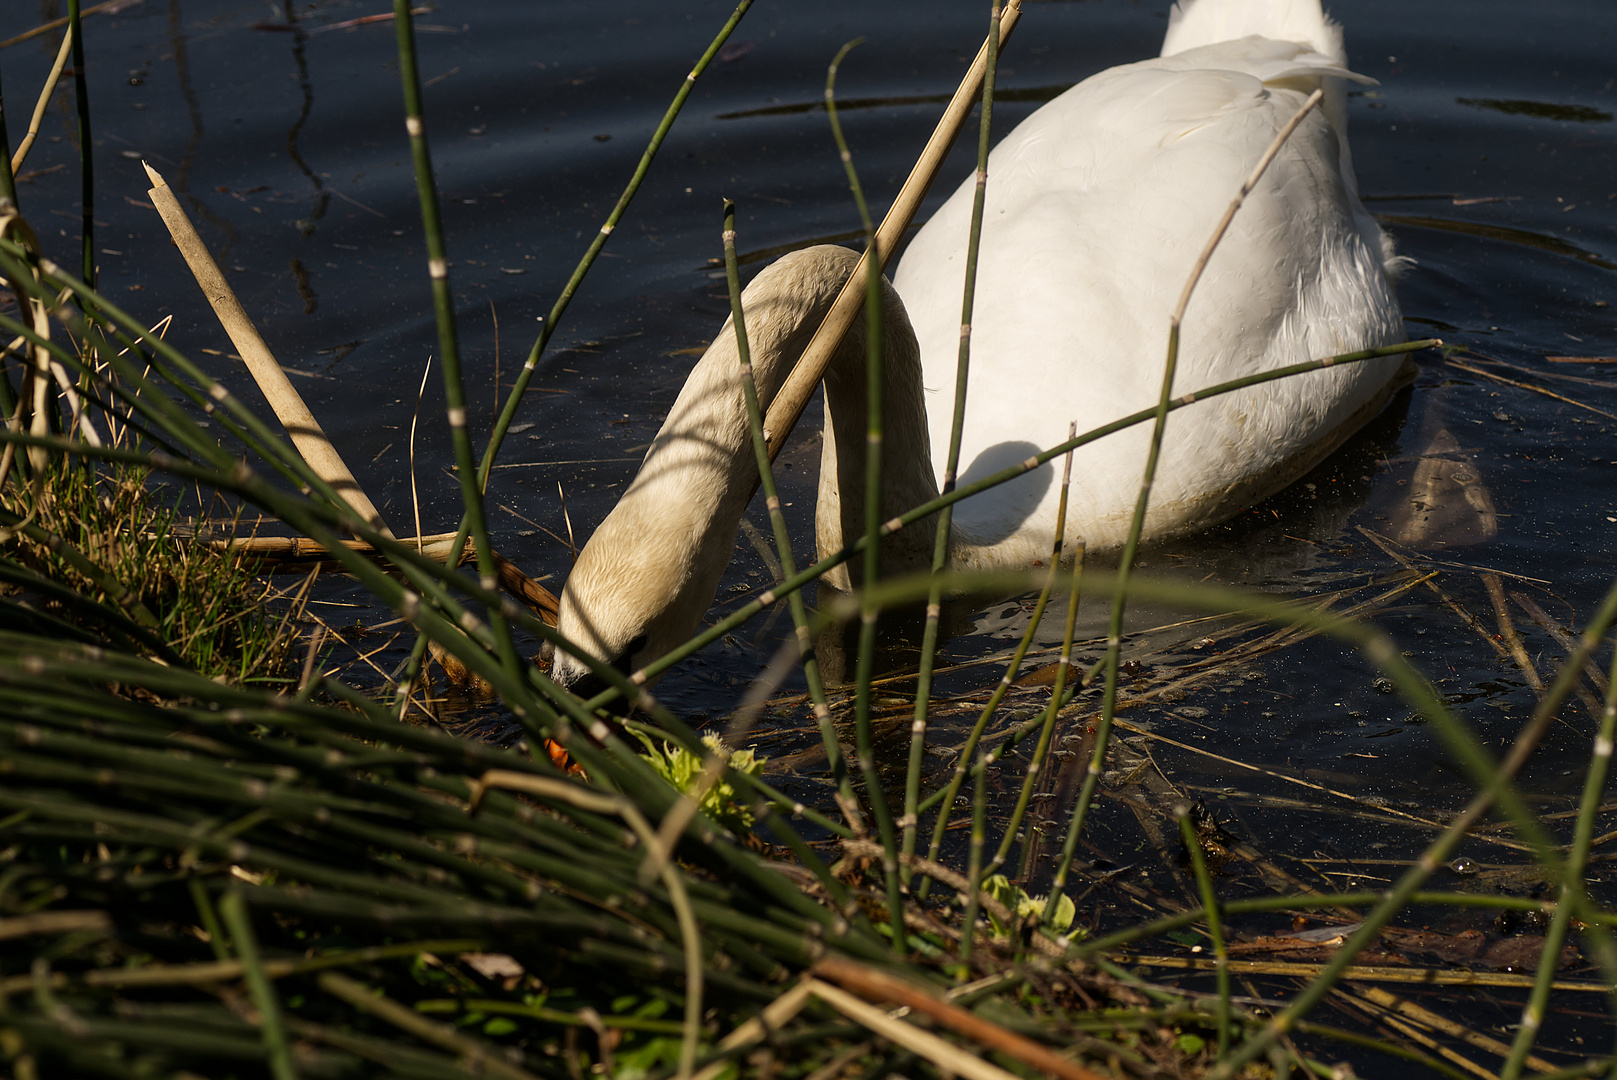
{"x":874,"y":374}
{"x":520,"y":386}
{"x":265,"y":1000}
{"x":1573,"y":897}
{"x":1114,"y":632}
{"x":1057,"y":700}
{"x":208,"y":919}
{"x":81,"y":98}
{"x":951,"y":465}
{"x":974,"y":861}
{"x":8,"y":184}
{"x":925,"y":510}
{"x":783,"y":541}
{"x":948,"y":794}
{"x":1215,"y":924}
{"x":1030,"y":779}
{"x":443,"y":303}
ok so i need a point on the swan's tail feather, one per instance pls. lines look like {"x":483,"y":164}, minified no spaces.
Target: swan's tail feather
{"x":1207,"y":22}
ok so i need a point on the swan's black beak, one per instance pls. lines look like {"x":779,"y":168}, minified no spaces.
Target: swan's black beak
{"x":588,"y":684}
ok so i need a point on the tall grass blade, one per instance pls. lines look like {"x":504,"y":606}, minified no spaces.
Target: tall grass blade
{"x":835,"y":763}
{"x":874,"y":377}
{"x":951,"y":465}
{"x":443,"y":303}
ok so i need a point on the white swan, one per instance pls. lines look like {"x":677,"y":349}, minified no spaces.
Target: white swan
{"x":1098,"y":205}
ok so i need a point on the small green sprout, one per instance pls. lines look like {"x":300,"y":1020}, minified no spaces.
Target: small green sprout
{"x":1000,"y":888}
{"x":682,"y":769}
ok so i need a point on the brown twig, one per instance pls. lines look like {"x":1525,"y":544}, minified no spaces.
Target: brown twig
{"x":1527,"y":386}
{"x":1507,"y":628}
{"x":1454,"y":605}
{"x":296,"y":553}
{"x":879,"y":986}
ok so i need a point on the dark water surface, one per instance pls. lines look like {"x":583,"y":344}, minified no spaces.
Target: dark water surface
{"x":1489,"y":146}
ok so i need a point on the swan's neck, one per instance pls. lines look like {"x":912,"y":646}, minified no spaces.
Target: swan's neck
{"x":908,"y":479}
{"x":642,"y":583}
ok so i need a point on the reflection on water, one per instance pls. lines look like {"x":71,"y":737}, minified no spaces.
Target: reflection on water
{"x":1572,"y":114}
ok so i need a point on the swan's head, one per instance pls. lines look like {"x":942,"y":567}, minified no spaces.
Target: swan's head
{"x":642,"y":583}
{"x":638,"y":590}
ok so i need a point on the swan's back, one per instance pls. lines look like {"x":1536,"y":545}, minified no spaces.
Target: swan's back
{"x":1098,"y":205}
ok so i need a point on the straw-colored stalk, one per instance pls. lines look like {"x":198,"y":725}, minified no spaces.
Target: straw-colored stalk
{"x":288,"y":405}
{"x":49,"y":89}
{"x":794,"y":394}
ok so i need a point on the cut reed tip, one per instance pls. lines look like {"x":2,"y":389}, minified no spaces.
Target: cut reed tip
{"x":154,"y":176}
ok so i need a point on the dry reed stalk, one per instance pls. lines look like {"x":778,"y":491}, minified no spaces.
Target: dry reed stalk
{"x":1470,"y":1036}
{"x":793,"y":396}
{"x":1452,"y":604}
{"x":769,"y":1020}
{"x":1562,"y":638}
{"x":1527,"y":386}
{"x":1368,"y":807}
{"x":47,"y":27}
{"x":300,"y":424}
{"x":27,"y":142}
{"x":947,"y":1057}
{"x":881,"y":986}
{"x":1287,"y":636}
{"x":1363,"y":973}
{"x":294,"y":554}
{"x":1507,"y":630}
{"x":1412,"y":1030}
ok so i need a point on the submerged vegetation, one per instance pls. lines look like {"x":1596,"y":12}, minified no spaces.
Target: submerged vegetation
{"x":223,"y":855}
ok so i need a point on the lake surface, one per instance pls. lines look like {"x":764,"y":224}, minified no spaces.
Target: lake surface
{"x":1489,"y":147}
